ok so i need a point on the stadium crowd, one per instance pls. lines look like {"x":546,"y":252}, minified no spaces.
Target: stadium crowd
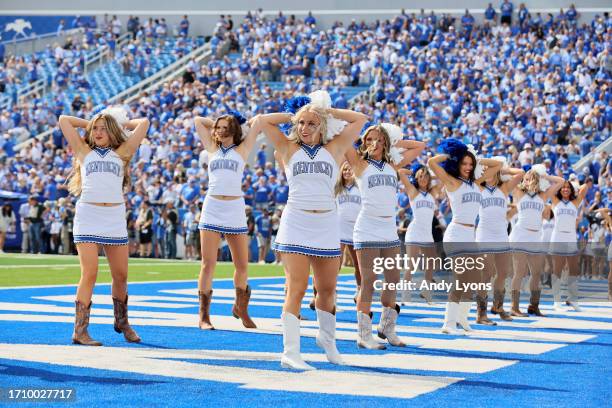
{"x":534,"y":89}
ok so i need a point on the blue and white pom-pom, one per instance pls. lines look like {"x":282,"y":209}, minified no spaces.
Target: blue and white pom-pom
{"x":541,"y":170}
{"x":241,"y":119}
{"x":395,"y":135}
{"x":504,"y":162}
{"x":322,"y":100}
{"x":295,"y":104}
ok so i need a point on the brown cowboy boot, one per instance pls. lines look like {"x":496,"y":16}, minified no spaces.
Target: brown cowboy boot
{"x":240,"y":310}
{"x":205,"y":299}
{"x":81,"y":321}
{"x":534,"y":303}
{"x":481,"y":307}
{"x":121,"y":321}
{"x":515,"y":311}
{"x":498,"y":305}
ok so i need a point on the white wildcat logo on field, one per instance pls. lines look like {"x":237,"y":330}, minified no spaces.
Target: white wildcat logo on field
{"x":19,"y":26}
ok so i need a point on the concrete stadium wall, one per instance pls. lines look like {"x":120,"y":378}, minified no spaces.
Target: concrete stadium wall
{"x":204,"y":14}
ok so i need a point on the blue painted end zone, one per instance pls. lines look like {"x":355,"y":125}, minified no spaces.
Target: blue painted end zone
{"x":574,"y":375}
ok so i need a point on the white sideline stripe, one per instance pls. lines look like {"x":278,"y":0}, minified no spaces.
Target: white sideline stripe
{"x":545,"y":323}
{"x":158,"y":362}
{"x":498,"y":333}
{"x":273,"y":326}
{"x":268,"y":300}
{"x":402,"y":361}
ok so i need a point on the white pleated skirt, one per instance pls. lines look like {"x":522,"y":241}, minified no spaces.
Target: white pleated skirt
{"x":375,"y":232}
{"x":308,"y":233}
{"x":223,"y":216}
{"x":100,"y":225}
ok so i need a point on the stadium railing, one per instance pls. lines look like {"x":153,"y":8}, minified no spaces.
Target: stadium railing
{"x":606,"y":146}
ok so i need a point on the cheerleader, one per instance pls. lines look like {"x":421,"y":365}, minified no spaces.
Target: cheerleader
{"x":309,"y":234}
{"x":547,"y":227}
{"x":530,"y":196}
{"x":492,"y":238}
{"x":100,"y":177}
{"x":375,"y":233}
{"x":349,"y":204}
{"x":223,"y":211}
{"x":605,"y":212}
{"x":456,"y":168}
{"x":419,"y":235}
{"x":564,"y":244}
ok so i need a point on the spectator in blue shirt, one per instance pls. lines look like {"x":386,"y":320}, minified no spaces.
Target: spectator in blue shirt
{"x":261,"y":155}
{"x":506,"y":12}
{"x":490,"y":13}
{"x":263,"y":234}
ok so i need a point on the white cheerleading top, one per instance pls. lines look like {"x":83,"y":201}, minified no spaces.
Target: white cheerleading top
{"x":378,"y":188}
{"x":492,"y":212}
{"x":530,"y":208}
{"x":565,"y":217}
{"x":547,"y":229}
{"x":225,"y":169}
{"x":349,"y":203}
{"x":465,"y":203}
{"x":423,"y":207}
{"x":311,"y":175}
{"x":102,"y":177}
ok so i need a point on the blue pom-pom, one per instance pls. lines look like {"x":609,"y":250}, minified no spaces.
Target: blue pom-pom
{"x":241,"y":119}
{"x":455,"y":148}
{"x":365,"y":127}
{"x":296,"y":103}
{"x":285,"y":128}
{"x":358,"y":144}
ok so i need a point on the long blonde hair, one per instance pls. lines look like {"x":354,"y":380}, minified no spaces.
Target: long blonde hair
{"x":533,"y":185}
{"x":363,"y":149}
{"x":294,"y":136}
{"x":340,"y":183}
{"x":116,"y":136}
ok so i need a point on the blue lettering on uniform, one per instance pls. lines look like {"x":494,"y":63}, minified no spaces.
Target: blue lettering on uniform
{"x":531,"y":205}
{"x":316,"y":167}
{"x":567,"y":211}
{"x":493,"y":202}
{"x":224,"y":164}
{"x":103,"y":167}
{"x":423,"y":204}
{"x":470,"y":198}
{"x":377,"y":180}
{"x":349,"y":198}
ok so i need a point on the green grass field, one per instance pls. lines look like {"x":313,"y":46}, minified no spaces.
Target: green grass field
{"x":32,"y":270}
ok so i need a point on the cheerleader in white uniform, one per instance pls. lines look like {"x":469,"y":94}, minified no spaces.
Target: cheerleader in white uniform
{"x":100,"y":177}
{"x":455,"y":168}
{"x":422,"y":196}
{"x":605,"y":212}
{"x":349,"y":205}
{"x":547,"y":227}
{"x":492,"y":239}
{"x":564,"y":243}
{"x":526,"y":236}
{"x":309,"y":232}
{"x":223,"y":211}
{"x":375,"y":233}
